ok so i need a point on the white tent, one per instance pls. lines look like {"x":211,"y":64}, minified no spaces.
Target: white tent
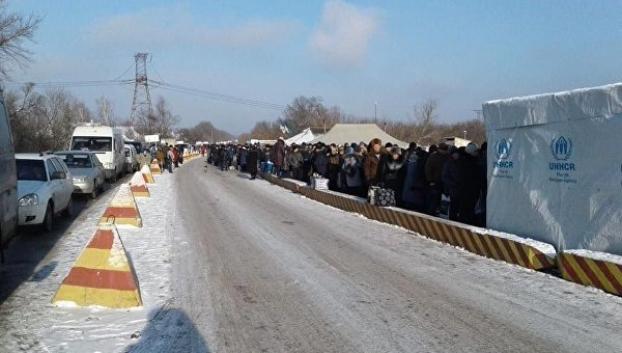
{"x":355,"y":133}
{"x":305,"y":136}
{"x":553,"y":171}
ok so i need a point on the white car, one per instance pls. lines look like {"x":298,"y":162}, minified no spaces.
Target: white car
{"x":44,"y":188}
{"x":86,"y":170}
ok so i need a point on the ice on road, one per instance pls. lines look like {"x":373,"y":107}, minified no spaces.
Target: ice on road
{"x":257,"y":268}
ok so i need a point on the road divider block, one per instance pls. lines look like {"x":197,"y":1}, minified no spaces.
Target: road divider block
{"x":285,"y":183}
{"x":139,"y":186}
{"x":102,"y":275}
{"x":147,"y":175}
{"x":122,"y":209}
{"x":592,"y":268}
{"x":506,"y":247}
{"x":154,"y":168}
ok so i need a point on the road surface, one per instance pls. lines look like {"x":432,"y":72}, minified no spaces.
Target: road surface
{"x":256,"y":268}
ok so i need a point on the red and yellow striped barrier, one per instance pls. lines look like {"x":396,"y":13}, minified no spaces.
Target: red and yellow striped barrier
{"x":102,"y":275}
{"x":154,"y":168}
{"x":495,"y":245}
{"x":139,"y":186}
{"x":147,"y":175}
{"x":122,"y":209}
{"x":593,"y":269}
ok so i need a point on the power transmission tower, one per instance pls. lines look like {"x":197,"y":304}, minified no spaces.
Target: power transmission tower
{"x":141,"y":104}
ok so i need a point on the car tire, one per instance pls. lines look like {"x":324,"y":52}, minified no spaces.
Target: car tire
{"x":48,"y":219}
{"x":68,"y":211}
{"x":113,"y":179}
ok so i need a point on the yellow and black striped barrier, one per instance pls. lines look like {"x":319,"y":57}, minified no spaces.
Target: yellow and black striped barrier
{"x":593,"y":269}
{"x":484,"y":242}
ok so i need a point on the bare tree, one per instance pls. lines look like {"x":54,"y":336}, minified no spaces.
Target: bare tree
{"x":15,"y":30}
{"x":105,"y":111}
{"x":425,"y":118}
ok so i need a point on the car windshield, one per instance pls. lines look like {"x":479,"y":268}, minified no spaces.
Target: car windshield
{"x":31,"y":169}
{"x":95,"y":144}
{"x":76,"y":160}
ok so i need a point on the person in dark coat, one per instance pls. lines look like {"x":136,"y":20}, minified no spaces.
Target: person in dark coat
{"x":434,"y":175}
{"x":278,"y":153}
{"x":471,"y":187}
{"x":252,"y":157}
{"x":320,"y":161}
{"x":452,"y":182}
{"x":391,"y":176}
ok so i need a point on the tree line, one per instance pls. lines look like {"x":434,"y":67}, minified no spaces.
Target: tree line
{"x":423,"y":128}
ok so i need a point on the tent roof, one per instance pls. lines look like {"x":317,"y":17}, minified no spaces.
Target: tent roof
{"x":349,"y":133}
{"x":305,"y":136}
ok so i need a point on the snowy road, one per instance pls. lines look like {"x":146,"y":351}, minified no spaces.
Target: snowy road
{"x":256,"y":268}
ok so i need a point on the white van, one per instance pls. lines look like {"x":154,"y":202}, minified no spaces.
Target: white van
{"x":8,"y":179}
{"x":106,"y":142}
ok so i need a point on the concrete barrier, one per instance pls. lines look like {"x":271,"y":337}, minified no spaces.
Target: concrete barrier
{"x":147,"y":175}
{"x":122,"y":209}
{"x":506,"y":247}
{"x":138,"y":186}
{"x":592,"y":268}
{"x":154,"y":168}
{"x":285,"y":183}
{"x":102,"y":275}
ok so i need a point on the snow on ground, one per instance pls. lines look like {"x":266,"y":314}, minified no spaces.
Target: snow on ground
{"x":30,"y":323}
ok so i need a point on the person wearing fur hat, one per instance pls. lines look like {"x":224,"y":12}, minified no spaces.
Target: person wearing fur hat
{"x":391,"y":171}
{"x":352,"y":170}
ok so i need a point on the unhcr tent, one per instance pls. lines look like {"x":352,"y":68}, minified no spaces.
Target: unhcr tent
{"x":554,"y":170}
{"x":305,"y":136}
{"x":348,"y":133}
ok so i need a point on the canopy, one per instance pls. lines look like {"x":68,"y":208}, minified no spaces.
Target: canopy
{"x":349,"y":133}
{"x":305,"y":136}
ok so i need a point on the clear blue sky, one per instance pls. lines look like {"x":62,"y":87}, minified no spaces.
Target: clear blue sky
{"x":351,"y":53}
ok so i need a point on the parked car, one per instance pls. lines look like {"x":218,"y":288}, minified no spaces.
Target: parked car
{"x":44,"y":188}
{"x":86,"y":170}
{"x":131,"y":158}
{"x":106,"y":142}
{"x":8,"y":179}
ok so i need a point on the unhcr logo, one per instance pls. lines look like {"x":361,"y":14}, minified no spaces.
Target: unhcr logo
{"x":561,"y":149}
{"x":503,"y":148}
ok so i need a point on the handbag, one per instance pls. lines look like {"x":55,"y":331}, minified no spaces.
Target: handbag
{"x":381,"y":197}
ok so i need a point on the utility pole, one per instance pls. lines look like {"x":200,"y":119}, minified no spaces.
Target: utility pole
{"x":375,"y":111}
{"x":141,"y":104}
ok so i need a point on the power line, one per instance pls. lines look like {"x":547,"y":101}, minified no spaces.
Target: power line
{"x":217,"y":96}
{"x":90,"y":83}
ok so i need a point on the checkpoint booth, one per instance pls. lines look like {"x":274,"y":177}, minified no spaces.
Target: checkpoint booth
{"x":555,"y":167}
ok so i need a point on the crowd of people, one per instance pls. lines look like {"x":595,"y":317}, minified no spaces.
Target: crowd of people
{"x":168,"y":156}
{"x":419,"y":177}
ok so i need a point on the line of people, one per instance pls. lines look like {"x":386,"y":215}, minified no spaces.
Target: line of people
{"x":418,"y":177}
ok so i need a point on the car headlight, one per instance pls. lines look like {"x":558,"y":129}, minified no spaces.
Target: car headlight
{"x":79,"y":179}
{"x":29,"y":200}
